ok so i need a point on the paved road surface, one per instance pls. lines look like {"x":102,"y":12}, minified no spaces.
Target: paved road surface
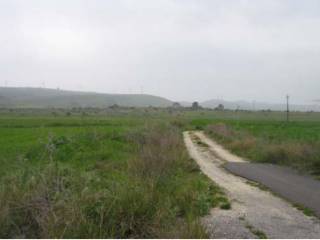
{"x":284,"y":181}
{"x":253,"y":210}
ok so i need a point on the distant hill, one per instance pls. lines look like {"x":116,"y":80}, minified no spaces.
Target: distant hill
{"x":245,"y":105}
{"x":185,"y":104}
{"x":43,"y":98}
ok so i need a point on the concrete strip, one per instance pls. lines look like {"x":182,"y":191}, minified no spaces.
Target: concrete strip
{"x":259,"y":209}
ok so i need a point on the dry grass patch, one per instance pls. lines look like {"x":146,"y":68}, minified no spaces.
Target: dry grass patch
{"x":300,"y":154}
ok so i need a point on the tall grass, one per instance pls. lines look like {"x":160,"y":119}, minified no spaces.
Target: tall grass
{"x":269,"y":148}
{"x":157,"y":192}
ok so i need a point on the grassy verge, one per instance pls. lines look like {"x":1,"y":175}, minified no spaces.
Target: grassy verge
{"x":295,"y":145}
{"x":106,"y":181}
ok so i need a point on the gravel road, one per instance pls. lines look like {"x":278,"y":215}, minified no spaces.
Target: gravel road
{"x":255,"y":213}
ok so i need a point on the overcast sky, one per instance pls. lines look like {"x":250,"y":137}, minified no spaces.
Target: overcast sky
{"x":179,"y":49}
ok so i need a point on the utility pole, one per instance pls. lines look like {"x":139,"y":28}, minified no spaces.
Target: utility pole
{"x":253,"y":105}
{"x":287,"y":108}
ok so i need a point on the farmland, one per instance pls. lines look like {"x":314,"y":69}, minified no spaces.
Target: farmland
{"x":99,"y":177}
{"x":125,"y":173}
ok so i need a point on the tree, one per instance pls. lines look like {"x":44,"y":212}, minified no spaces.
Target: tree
{"x":195,"y":105}
{"x":114,"y":106}
{"x":176,"y":105}
{"x":220,"y":107}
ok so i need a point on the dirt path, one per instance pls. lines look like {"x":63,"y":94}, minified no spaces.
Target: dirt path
{"x":255,"y":213}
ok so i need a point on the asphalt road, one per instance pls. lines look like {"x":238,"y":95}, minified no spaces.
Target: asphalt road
{"x":285,"y":182}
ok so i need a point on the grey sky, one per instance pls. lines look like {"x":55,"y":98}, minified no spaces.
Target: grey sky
{"x":180,"y":49}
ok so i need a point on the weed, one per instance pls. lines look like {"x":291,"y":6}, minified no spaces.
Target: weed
{"x":258,"y":185}
{"x":225,"y":206}
{"x":307,"y":211}
{"x":256,"y":232}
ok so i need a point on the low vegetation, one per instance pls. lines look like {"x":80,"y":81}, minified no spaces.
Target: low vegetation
{"x":124,"y":172}
{"x":258,"y":233}
{"x":100,"y":179}
{"x":295,"y":144}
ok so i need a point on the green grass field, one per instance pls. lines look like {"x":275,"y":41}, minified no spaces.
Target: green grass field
{"x":126,"y":173}
{"x":99,"y":177}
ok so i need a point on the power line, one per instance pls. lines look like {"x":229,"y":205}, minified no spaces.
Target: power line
{"x":288,"y":107}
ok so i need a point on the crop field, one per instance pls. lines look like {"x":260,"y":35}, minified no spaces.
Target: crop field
{"x":126,"y":173}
